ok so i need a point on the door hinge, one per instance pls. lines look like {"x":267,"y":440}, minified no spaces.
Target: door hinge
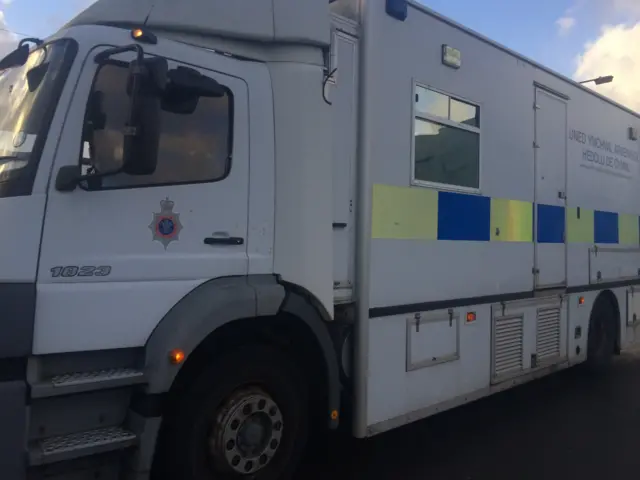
{"x":535,"y":145}
{"x":562,"y":195}
{"x":536,"y":106}
{"x":451,"y":317}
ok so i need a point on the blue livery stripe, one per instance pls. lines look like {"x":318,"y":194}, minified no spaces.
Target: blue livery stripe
{"x":463,"y":217}
{"x":605,"y":227}
{"x":551,"y":224}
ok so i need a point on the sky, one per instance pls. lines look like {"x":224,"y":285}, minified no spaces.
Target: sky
{"x":581,"y":39}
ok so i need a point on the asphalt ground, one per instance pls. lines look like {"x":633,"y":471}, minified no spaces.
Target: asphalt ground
{"x":569,"y":426}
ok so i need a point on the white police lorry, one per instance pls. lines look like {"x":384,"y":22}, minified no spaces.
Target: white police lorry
{"x":226,"y":225}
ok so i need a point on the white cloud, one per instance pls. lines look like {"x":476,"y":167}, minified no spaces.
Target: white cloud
{"x":616,"y":52}
{"x":6,"y":2}
{"x":631,"y":7}
{"x":8,"y":40}
{"x":565,"y":25}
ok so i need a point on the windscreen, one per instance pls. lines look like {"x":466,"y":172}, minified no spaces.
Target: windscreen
{"x":28,"y":97}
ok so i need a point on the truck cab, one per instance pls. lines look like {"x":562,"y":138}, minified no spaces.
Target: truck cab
{"x":165,"y":176}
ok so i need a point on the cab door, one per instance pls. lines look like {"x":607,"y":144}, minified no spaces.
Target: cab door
{"x":118,"y":253}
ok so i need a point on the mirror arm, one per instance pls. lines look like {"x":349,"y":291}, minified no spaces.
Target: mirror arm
{"x":33,"y":40}
{"x":102,"y":56}
{"x":82,"y":178}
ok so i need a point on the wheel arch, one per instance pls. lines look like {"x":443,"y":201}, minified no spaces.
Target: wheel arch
{"x":241,"y":309}
{"x":610,"y":298}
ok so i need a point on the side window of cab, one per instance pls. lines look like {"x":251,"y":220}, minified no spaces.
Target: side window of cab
{"x":195,"y":142}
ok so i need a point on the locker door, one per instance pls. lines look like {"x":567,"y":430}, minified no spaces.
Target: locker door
{"x":550,"y":187}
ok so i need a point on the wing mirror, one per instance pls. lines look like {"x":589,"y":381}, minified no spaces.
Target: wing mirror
{"x":20,"y":55}
{"x":185,"y":87}
{"x":145,"y":87}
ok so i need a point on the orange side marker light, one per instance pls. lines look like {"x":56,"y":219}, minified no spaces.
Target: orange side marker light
{"x":176,"y":356}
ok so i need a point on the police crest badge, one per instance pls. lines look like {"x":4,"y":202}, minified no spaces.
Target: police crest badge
{"x":166,"y":225}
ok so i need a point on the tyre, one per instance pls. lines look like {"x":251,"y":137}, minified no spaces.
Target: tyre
{"x":601,"y":340}
{"x":246,"y":415}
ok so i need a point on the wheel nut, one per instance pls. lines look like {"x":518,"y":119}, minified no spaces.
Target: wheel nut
{"x":274,"y":444}
{"x":273,"y":411}
{"x":263,"y":459}
{"x":230,"y":444}
{"x":262,"y":404}
{"x":235,"y":424}
{"x":235,"y":461}
{"x":248,"y":466}
{"x":247,"y":409}
{"x":277,"y":426}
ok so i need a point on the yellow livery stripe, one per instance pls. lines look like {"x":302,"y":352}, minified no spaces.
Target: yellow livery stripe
{"x":628,"y":229}
{"x":511,"y":220}
{"x":580,"y":225}
{"x":404,"y":213}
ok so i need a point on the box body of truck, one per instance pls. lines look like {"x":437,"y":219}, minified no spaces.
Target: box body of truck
{"x":503,"y":201}
{"x":359,"y":212}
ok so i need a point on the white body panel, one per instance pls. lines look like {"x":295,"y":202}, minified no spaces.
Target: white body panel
{"x":342,"y":91}
{"x":303,"y":236}
{"x":20,"y":237}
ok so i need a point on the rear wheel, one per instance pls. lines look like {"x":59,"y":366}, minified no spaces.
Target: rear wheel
{"x":245,"y":415}
{"x":602,"y":332}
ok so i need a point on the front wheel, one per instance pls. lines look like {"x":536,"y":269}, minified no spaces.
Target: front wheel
{"x":244,"y":415}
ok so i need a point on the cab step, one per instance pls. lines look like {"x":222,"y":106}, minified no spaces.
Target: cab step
{"x":82,"y":444}
{"x":78,"y":382}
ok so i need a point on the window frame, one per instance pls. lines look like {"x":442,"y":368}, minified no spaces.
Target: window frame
{"x":417,"y":115}
{"x":230,"y":134}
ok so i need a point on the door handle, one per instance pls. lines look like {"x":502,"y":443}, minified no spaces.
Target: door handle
{"x":224,"y":241}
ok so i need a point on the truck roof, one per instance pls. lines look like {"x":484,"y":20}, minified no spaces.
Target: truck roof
{"x":269,"y":21}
